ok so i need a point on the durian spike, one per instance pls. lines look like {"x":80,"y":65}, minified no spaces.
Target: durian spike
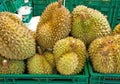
{"x":59,"y":3}
{"x":39,"y":50}
{"x":5,"y":63}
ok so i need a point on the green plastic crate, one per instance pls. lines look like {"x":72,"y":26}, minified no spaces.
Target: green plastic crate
{"x":5,"y":7}
{"x":95,"y":2}
{"x":104,"y":6}
{"x":17,"y":4}
{"x":37,"y":12}
{"x":1,"y":7}
{"x":28,"y":4}
{"x":50,"y":1}
{"x":39,"y":6}
{"x":38,"y":9}
{"x":40,"y":1}
{"x":116,"y":17}
{"x":99,"y":78}
{"x":45,"y":79}
{"x":27,"y":18}
{"x":69,"y":4}
{"x":10,"y":6}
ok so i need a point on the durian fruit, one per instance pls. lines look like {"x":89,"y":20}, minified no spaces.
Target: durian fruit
{"x":70,"y":55}
{"x":55,"y":24}
{"x":68,"y":63}
{"x":117,"y":29}
{"x":38,"y":65}
{"x":50,"y":58}
{"x":89,"y":24}
{"x":11,"y":66}
{"x":34,"y":35}
{"x":16,"y":40}
{"x":104,"y":54}
{"x":117,"y":60}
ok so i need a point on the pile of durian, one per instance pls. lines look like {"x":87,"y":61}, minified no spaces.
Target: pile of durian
{"x":60,"y":44}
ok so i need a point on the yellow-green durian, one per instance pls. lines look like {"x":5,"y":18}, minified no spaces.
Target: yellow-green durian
{"x":50,"y":58}
{"x":68,"y":63}
{"x":74,"y":48}
{"x":104,"y":54}
{"x":8,"y":66}
{"x":117,"y":29}
{"x":38,"y":65}
{"x":89,"y":24}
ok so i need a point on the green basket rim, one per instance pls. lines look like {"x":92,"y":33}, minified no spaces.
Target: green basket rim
{"x":46,"y":75}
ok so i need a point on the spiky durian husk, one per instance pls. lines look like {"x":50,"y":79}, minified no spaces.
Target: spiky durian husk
{"x":117,"y":54}
{"x":117,"y":29}
{"x":38,"y":65}
{"x":89,"y":24}
{"x":68,"y":63}
{"x":69,"y":45}
{"x":34,"y":35}
{"x":104,"y":54}
{"x":16,"y":40}
{"x":13,"y":66}
{"x":55,"y":24}
{"x":50,"y":58}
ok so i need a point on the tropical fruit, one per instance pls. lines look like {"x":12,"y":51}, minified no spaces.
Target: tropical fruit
{"x":16,"y":40}
{"x":104,"y":54}
{"x":50,"y":58}
{"x":70,"y":55}
{"x":38,"y":64}
{"x":55,"y":24}
{"x":117,"y":29}
{"x":89,"y":24}
{"x":8,"y":66}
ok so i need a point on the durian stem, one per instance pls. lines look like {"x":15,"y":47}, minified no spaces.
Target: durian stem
{"x":59,"y":3}
{"x":39,"y":50}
